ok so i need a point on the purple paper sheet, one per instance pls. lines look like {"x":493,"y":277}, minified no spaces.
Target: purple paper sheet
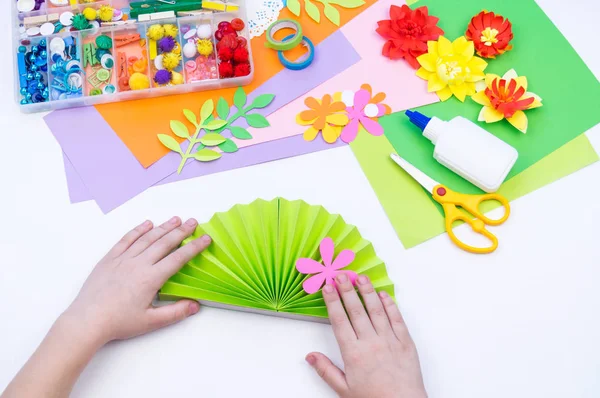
{"x":111,"y":183}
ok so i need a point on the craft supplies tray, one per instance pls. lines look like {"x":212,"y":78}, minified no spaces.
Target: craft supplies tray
{"x":89,"y":62}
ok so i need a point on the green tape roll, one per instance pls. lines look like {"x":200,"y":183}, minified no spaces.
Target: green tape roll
{"x":287,"y":44}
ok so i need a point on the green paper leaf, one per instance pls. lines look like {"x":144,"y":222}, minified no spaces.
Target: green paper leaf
{"x":256,"y":120}
{"x":191,"y":116}
{"x":206,"y":155}
{"x":222,"y":108}
{"x":262,"y":101}
{"x":200,"y":147}
{"x":228,"y":146}
{"x":239,"y":98}
{"x":179,"y":129}
{"x":294,"y":7}
{"x":331,"y":13}
{"x":207,"y":110}
{"x":215,"y":124}
{"x":170,"y":143}
{"x":212,"y":139}
{"x":241,"y":133}
{"x":347,"y":3}
{"x":312,"y":10}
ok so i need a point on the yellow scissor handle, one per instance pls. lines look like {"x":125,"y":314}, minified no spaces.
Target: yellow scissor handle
{"x":451,"y":200}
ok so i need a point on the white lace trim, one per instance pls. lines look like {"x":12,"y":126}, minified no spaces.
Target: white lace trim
{"x":261,"y":14}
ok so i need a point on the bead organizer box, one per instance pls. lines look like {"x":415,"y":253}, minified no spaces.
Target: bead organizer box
{"x":91,"y":52}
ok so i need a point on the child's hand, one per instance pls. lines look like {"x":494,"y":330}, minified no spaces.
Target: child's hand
{"x":380,"y":358}
{"x":116,"y":300}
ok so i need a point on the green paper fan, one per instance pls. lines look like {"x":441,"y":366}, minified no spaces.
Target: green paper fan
{"x":250,"y":265}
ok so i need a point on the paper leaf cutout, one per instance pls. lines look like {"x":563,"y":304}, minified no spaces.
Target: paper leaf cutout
{"x":256,"y":120}
{"x":239,"y":98}
{"x":228,"y":146}
{"x":262,"y":101}
{"x":179,"y":129}
{"x":348,"y":3}
{"x":212,"y":139}
{"x":207,"y":109}
{"x":191,"y":116}
{"x":294,"y":7}
{"x":206,"y":155}
{"x":222,"y":108}
{"x":199,"y":147}
{"x":325,"y":273}
{"x":312,"y":10}
{"x":240,"y":133}
{"x":331,"y":13}
{"x":170,"y":143}
{"x":215,"y":124}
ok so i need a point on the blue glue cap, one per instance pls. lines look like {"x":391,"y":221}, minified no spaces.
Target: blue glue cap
{"x":418,"y":119}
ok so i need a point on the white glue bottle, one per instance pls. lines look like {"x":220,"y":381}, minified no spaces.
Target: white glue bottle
{"x":468,"y":150}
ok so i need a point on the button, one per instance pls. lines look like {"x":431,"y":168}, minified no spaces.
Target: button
{"x":33,"y":31}
{"x":57,"y":46}
{"x":109,"y":89}
{"x":103,"y":75}
{"x":25,"y":5}
{"x":47,"y":29}
{"x":66,"y":18}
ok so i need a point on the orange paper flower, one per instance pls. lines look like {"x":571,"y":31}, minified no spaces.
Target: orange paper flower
{"x":325,"y":116}
{"x":490,"y":33}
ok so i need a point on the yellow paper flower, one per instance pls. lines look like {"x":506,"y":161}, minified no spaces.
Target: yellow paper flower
{"x":323,"y":115}
{"x":450,"y":68}
{"x":505,"y":97}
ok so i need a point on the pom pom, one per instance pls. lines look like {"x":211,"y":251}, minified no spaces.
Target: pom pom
{"x":225,"y":53}
{"x":166,"y":44}
{"x":156,"y":32}
{"x":205,"y":47}
{"x":177,"y":78}
{"x":170,"y":30}
{"x":106,"y":13}
{"x":241,"y":70}
{"x":162,"y":77}
{"x":230,"y":41}
{"x":139,"y":81}
{"x":225,"y":69}
{"x":80,"y":22}
{"x":177,"y":48}
{"x":171,"y":61}
{"x":90,"y":14}
{"x":240,"y":55}
{"x":104,"y":42}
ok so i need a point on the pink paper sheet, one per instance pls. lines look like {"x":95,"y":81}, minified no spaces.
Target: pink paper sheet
{"x":395,"y":78}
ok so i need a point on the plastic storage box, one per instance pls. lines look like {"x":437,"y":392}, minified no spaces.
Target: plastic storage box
{"x":78,"y":46}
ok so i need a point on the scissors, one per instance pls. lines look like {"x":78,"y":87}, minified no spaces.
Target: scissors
{"x":451,"y":201}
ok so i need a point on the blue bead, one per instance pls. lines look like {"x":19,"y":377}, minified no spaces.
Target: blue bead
{"x":23,"y":90}
{"x":43,"y":43}
{"x":24,"y":102}
{"x":43,"y":53}
{"x":38,"y":76}
{"x":46,"y":93}
{"x":28,"y":96}
{"x":41,"y":86}
{"x":35,"y":49}
{"x":30,"y":76}
{"x":32,"y":58}
{"x":44,"y":68}
{"x":22,"y":49}
{"x":33,"y":68}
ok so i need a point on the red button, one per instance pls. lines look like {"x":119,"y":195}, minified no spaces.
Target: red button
{"x":441,"y":191}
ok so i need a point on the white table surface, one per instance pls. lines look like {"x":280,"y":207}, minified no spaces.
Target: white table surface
{"x":522,"y":322}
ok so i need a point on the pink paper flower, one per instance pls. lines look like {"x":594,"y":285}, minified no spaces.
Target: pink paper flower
{"x":361,"y":110}
{"x":325,"y":273}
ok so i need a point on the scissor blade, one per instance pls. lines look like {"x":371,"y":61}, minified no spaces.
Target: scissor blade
{"x":422,"y":178}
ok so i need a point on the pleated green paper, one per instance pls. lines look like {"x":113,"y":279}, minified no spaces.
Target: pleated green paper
{"x":251,"y":262}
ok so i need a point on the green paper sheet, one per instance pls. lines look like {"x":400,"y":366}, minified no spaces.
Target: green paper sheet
{"x":415,"y":218}
{"x":569,"y":90}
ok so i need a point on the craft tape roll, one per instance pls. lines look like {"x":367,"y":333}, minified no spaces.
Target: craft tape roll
{"x":304,"y":61}
{"x":284,"y":44}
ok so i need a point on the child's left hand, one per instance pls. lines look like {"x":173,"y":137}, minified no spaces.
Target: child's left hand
{"x":116,"y":300}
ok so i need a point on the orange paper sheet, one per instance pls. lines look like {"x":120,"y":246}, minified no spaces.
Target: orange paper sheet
{"x":138,"y":122}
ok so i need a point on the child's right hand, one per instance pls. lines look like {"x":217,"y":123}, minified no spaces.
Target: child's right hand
{"x":380,"y":358}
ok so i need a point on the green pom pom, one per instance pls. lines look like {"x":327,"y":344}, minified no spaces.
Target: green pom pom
{"x":80,"y":22}
{"x":104,"y":42}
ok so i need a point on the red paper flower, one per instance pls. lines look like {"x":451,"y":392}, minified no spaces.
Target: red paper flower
{"x":490,"y":34}
{"x":408,"y":32}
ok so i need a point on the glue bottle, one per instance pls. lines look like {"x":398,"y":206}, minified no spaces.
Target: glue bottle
{"x":468,"y":150}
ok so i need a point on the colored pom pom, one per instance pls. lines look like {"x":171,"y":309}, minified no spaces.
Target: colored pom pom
{"x":106,"y":13}
{"x":170,"y":30}
{"x":240,"y":55}
{"x":156,"y":32}
{"x":163,"y":77}
{"x":104,"y":42}
{"x":177,"y":48}
{"x":225,"y":69}
{"x":230,"y":41}
{"x":225,"y":53}
{"x":166,"y":44}
{"x":241,"y":70}
{"x":176,"y":78}
{"x":171,"y":61}
{"x":139,"y":81}
{"x":80,"y":22}
{"x":90,"y":14}
{"x":205,"y":47}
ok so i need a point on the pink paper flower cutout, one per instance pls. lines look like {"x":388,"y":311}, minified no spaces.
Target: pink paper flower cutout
{"x":361,"y":110}
{"x":325,"y":273}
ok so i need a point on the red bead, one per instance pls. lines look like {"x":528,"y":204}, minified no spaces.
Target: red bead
{"x":237,"y":24}
{"x":228,"y":30}
{"x":223,"y":25}
{"x":218,"y":35}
